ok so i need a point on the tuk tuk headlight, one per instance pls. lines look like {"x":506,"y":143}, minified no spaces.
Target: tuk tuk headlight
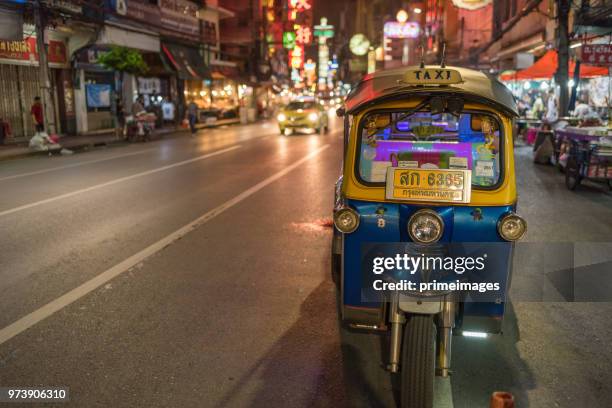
{"x":511,"y":227}
{"x":425,"y":226}
{"x":281,"y":117}
{"x":313,"y":117}
{"x":346,"y":220}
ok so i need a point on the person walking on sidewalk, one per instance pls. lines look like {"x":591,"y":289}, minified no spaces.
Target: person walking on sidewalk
{"x":192,"y":114}
{"x":119,"y":116}
{"x":37,"y":115}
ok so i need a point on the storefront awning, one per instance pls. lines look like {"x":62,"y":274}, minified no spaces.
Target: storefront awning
{"x":158,"y":64}
{"x":115,"y":34}
{"x":546,"y":66}
{"x":226,"y":72}
{"x":187,"y":61}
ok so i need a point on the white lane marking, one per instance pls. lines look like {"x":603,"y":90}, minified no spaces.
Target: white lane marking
{"x":118,"y":156}
{"x":50,"y":308}
{"x":69,"y":166}
{"x":116,"y":181}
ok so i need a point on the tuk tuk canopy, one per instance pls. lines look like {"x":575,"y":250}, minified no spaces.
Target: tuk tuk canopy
{"x":387,"y":85}
{"x":546,"y":66}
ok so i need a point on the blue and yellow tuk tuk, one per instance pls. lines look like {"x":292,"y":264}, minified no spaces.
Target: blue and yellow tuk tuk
{"x":428,"y":172}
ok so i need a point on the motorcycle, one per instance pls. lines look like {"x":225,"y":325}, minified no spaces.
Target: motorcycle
{"x":139,"y":127}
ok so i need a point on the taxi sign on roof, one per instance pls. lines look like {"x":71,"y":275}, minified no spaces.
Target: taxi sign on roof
{"x":432,"y":76}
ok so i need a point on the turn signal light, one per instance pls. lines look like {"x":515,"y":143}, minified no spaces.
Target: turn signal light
{"x":512,"y":227}
{"x":346,"y":220}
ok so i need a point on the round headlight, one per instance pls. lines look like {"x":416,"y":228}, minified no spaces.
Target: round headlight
{"x":313,"y":117}
{"x":346,"y":220}
{"x":425,"y":226}
{"x":512,"y":227}
{"x":281,"y":117}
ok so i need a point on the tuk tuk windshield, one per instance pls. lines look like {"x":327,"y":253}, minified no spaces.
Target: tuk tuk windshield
{"x":431,"y":141}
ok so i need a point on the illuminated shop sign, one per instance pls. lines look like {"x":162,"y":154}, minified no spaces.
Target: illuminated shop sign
{"x":471,"y":4}
{"x":296,"y":57}
{"x":394,"y":29}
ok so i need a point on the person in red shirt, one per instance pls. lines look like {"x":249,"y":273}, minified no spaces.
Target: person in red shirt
{"x":37,"y":115}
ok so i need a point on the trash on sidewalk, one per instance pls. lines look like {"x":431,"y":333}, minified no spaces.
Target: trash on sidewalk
{"x":42,"y":142}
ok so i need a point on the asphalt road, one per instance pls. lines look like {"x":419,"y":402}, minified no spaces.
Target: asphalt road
{"x":194,"y":272}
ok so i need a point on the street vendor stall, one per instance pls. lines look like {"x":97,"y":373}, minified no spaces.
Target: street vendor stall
{"x":584,"y":153}
{"x":531,"y":85}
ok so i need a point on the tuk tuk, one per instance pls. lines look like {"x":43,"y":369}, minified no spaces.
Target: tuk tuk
{"x":428,"y":171}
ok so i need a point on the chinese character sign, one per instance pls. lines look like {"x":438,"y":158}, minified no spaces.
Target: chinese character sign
{"x":597,"y":54}
{"x":303,"y":34}
{"x":296,"y":57}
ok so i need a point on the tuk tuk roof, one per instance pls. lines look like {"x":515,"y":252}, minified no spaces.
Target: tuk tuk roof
{"x":386,"y":85}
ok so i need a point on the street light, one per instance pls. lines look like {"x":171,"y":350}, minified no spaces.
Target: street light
{"x":401,"y":16}
{"x":417,"y":10}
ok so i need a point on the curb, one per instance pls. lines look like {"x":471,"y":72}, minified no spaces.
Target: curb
{"x":79,"y":147}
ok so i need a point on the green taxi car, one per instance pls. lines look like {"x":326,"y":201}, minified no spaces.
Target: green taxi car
{"x":302,"y":115}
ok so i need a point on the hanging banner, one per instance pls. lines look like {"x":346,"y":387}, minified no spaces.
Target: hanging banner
{"x":180,"y":15}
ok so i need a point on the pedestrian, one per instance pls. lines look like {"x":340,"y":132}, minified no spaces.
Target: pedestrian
{"x":192,"y":114}
{"x":138,"y":106}
{"x":37,"y":115}
{"x":119,"y":114}
{"x":537,"y":110}
{"x":552,"y":113}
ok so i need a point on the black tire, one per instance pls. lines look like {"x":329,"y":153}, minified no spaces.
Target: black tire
{"x":418,"y":362}
{"x":572,"y":174}
{"x":336,"y":269}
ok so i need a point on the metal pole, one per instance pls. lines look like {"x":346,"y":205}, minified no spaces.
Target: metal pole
{"x":43,"y":66}
{"x":562,"y":74}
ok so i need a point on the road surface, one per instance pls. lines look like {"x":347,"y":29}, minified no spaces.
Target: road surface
{"x":194,"y":272}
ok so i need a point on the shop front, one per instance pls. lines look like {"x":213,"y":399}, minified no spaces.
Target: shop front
{"x":230,"y":95}
{"x":160,"y":89}
{"x":192,"y":75}
{"x":97,"y":87}
{"x":20,"y":83}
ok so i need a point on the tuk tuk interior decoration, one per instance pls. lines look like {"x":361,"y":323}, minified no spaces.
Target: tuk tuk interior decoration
{"x":428,"y":175}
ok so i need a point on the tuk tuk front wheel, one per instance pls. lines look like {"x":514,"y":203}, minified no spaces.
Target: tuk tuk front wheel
{"x":572,"y":174}
{"x":418,"y":362}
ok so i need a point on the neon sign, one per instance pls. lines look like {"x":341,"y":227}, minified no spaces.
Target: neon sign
{"x":394,"y":29}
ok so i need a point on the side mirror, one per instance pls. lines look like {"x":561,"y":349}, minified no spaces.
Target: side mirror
{"x":340,"y":112}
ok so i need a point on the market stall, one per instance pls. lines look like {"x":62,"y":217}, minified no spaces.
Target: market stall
{"x":533,"y":89}
{"x":584,"y":153}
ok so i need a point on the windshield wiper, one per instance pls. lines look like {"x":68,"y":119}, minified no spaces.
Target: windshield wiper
{"x":402,"y":117}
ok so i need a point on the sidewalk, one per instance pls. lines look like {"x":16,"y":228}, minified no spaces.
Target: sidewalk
{"x":86,"y":142}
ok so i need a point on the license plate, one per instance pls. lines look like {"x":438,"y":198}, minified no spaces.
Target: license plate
{"x":448,"y":186}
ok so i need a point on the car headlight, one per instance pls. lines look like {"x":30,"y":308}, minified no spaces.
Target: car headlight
{"x":313,"y":117}
{"x":346,"y":220}
{"x":425,"y":226}
{"x":511,"y":227}
{"x":281,"y":117}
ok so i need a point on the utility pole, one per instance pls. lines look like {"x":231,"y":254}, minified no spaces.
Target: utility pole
{"x":562,"y":74}
{"x":43,"y":67}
